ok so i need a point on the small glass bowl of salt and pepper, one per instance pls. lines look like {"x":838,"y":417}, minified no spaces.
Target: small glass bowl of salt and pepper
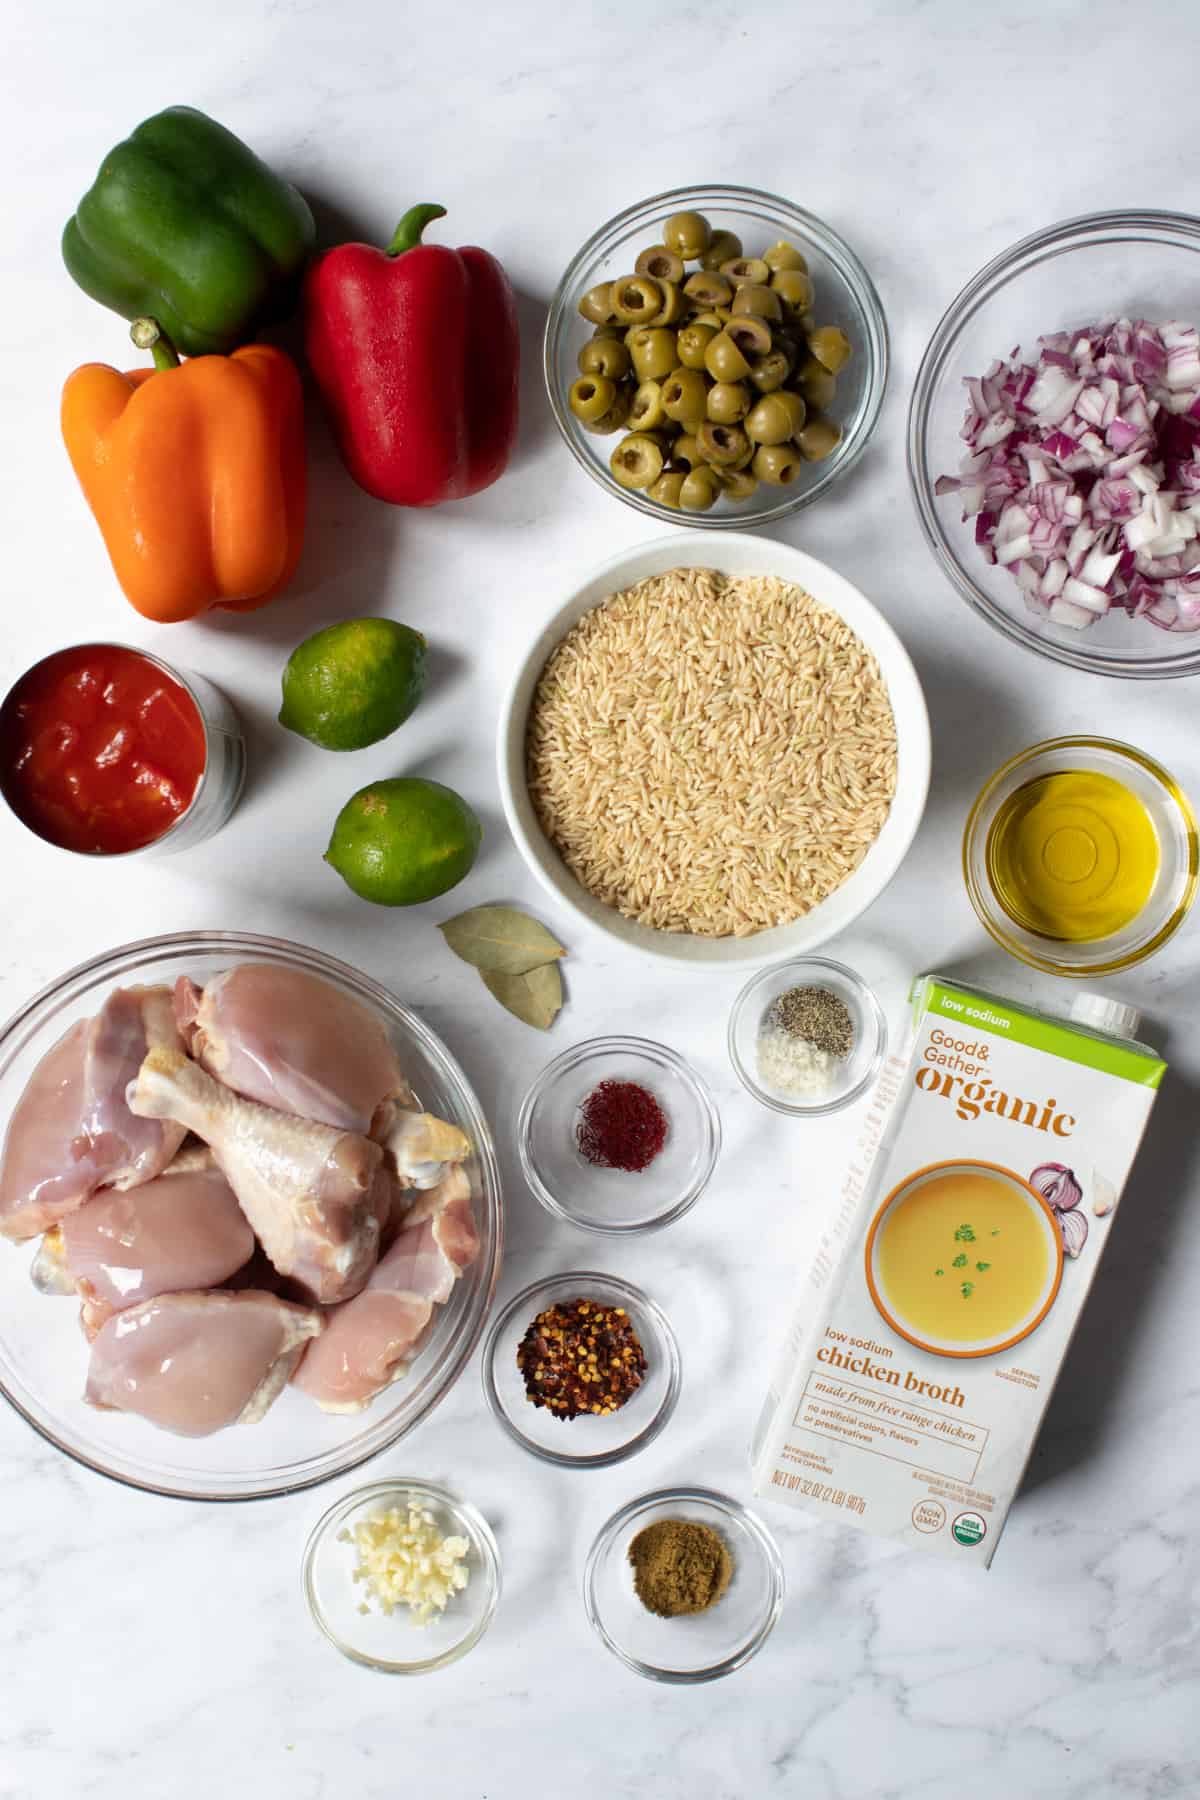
{"x":618,"y":1135}
{"x":807,"y":1037}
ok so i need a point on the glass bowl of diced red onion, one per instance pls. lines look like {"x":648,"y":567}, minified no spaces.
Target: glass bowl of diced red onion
{"x":300,"y":1435}
{"x":1054,"y":443}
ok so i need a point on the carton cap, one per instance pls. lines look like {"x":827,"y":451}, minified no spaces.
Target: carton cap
{"x":1102,"y":1014}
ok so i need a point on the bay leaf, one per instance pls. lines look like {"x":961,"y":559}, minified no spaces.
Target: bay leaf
{"x":500,"y":939}
{"x":534,"y":996}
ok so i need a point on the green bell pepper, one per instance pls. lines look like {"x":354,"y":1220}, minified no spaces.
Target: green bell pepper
{"x":185,"y":225}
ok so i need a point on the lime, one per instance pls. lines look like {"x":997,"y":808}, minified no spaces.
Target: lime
{"x":353,"y":683}
{"x":403,"y":841}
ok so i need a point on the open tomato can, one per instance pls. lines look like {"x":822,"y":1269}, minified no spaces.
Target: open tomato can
{"x":106,"y":750}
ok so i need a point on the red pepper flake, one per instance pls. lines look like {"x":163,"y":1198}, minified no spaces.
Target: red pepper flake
{"x":581,"y":1356}
{"x":621,"y":1126}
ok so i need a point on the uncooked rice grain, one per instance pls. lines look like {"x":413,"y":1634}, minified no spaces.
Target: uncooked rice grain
{"x":709,"y":754}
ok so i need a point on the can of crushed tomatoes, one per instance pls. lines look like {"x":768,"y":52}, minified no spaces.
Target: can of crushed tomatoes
{"x":108,"y":751}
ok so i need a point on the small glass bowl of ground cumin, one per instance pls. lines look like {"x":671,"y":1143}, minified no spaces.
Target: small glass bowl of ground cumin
{"x":618,"y":1135}
{"x":547,"y":1393}
{"x":728,"y":1602}
{"x":807,"y":1037}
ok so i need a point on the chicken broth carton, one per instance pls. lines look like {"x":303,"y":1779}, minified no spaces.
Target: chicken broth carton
{"x":943,"y":1296}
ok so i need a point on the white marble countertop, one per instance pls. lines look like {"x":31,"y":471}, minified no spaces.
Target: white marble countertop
{"x":165,"y":1648}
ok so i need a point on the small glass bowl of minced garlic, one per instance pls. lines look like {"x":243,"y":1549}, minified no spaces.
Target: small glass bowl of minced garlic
{"x":807,"y":1036}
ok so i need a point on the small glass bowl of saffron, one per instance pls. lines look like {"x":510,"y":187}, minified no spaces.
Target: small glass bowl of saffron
{"x":586,"y":1441}
{"x":618,"y":1135}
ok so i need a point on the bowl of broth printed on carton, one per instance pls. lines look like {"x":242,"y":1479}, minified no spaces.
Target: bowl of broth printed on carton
{"x":966,"y":1234}
{"x":964,"y":1259}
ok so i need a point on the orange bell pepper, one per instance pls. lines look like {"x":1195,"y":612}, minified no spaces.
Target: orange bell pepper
{"x":195,"y":474}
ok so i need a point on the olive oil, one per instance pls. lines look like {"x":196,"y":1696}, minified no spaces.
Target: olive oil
{"x":1073,"y":856}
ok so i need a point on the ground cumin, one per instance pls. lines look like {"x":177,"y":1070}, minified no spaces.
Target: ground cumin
{"x":679,"y":1566}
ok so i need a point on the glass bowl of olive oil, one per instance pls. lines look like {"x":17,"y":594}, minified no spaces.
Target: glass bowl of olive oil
{"x":1080,"y":856}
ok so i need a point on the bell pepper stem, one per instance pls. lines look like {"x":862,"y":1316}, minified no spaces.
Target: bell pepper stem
{"x":148,"y":334}
{"x":408,"y":231}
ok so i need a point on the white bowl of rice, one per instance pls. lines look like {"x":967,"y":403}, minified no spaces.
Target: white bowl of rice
{"x":717,"y":753}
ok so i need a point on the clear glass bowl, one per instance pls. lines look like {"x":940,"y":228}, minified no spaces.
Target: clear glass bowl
{"x":845,"y":296}
{"x":1174,"y":887}
{"x":393,"y":1643}
{"x":1103,"y":266}
{"x":220,"y":786}
{"x":618,"y":1200}
{"x":43,"y":1357}
{"x":850,"y":1078}
{"x":698,"y":1646}
{"x":587,"y":1442}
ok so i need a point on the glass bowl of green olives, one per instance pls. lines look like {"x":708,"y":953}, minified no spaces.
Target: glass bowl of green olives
{"x":716,"y":356}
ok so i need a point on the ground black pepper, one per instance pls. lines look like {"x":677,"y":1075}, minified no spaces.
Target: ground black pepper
{"x":817,"y":1015}
{"x":581,"y":1356}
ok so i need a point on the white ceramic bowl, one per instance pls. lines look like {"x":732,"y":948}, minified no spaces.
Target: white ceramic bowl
{"x":735,"y":554}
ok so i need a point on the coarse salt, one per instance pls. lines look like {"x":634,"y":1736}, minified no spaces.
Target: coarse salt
{"x":792,"y":1065}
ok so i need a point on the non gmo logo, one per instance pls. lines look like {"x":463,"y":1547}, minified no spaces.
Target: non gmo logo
{"x":969,"y":1528}
{"x":929,"y":1515}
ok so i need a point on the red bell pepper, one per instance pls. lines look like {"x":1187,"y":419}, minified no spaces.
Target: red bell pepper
{"x":416,"y":352}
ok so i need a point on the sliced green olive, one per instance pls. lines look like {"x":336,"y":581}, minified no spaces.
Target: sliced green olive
{"x":684,"y":395}
{"x":685,"y":449}
{"x":724,"y":361}
{"x":673,"y":307}
{"x":591,"y":396}
{"x":776,"y":418}
{"x":830,"y":346}
{"x":653,"y":351}
{"x":819,"y":437}
{"x":778,"y":464}
{"x":661,"y":263}
{"x":636,"y":298}
{"x":615,"y":418}
{"x":596,"y":304}
{"x":728,"y":401}
{"x":637,"y":461}
{"x":692,"y":342}
{"x":706,"y":288}
{"x":721,"y":443}
{"x":816,"y":383}
{"x":737,"y":484}
{"x":604,"y":356}
{"x":700,"y":490}
{"x":668,"y":488}
{"x":762,"y":302}
{"x":646,"y":408}
{"x":751,"y":334}
{"x":723,"y":247}
{"x":770,"y":371}
{"x":688,"y":234}
{"x":795,"y":290}
{"x":784,"y":256}
{"x":746,"y":268}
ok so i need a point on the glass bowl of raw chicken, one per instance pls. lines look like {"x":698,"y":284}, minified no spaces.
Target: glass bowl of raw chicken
{"x":252,"y":1213}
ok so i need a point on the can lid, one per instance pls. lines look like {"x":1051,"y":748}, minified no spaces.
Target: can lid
{"x":1103,"y":1014}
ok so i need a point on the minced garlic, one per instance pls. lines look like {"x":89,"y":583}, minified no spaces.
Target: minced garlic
{"x":405,"y":1561}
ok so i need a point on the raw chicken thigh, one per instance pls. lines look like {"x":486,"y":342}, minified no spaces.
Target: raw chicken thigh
{"x":368,"y":1341}
{"x":292,"y":1041}
{"x":193,"y":1363}
{"x":72,"y":1131}
{"x":131,"y":1022}
{"x":308,"y":1190}
{"x":183,"y":1230}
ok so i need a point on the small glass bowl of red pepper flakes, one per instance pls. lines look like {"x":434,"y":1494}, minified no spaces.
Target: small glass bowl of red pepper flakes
{"x":107,"y":751}
{"x":588,"y":1439}
{"x":618,"y":1135}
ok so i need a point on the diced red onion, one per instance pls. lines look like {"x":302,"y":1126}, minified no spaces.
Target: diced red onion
{"x":1083,"y":472}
